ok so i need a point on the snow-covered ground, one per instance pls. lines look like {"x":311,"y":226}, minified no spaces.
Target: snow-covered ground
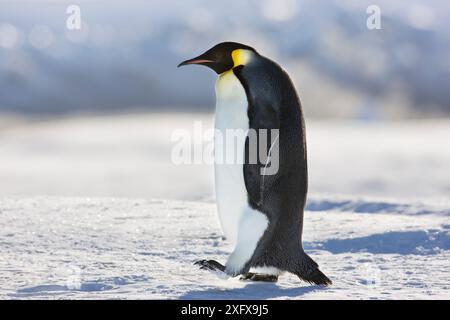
{"x":92,"y":207}
{"x":122,"y":248}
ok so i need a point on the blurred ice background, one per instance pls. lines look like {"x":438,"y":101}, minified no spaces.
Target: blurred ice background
{"x":87,"y":115}
{"x":89,"y":112}
{"x":126,"y":52}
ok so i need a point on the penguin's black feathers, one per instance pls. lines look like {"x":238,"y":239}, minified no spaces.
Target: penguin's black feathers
{"x":273,"y":103}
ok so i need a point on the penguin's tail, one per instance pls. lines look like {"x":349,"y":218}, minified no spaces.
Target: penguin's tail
{"x":308,"y":270}
{"x":315,"y":277}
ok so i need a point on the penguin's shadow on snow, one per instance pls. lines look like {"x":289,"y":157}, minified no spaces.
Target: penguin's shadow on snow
{"x":250,"y":291}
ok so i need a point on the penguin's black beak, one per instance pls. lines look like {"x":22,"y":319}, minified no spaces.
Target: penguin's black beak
{"x":197,"y":60}
{"x":211,"y":60}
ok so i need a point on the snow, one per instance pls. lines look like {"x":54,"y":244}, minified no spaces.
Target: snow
{"x":92,"y":207}
{"x":82,"y":248}
{"x":130,"y":155}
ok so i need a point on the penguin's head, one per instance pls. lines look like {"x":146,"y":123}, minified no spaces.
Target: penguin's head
{"x":223,"y":56}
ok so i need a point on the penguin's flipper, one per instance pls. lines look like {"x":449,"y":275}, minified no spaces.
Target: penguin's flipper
{"x":212,"y":265}
{"x":260,"y":176}
{"x":262,"y":143}
{"x":259,"y":277}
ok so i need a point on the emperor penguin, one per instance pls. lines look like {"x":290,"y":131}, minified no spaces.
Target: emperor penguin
{"x":261,"y":214}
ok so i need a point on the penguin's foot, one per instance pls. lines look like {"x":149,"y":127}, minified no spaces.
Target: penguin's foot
{"x":259,"y":277}
{"x":211,"y":265}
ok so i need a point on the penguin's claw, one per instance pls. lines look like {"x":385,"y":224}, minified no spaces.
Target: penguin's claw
{"x":212,"y":265}
{"x":259,"y":277}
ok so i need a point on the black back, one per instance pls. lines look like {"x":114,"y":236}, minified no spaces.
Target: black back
{"x":273,"y":103}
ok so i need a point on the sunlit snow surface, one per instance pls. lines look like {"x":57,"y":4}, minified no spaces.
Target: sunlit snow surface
{"x":122,"y":248}
{"x":77,"y":219}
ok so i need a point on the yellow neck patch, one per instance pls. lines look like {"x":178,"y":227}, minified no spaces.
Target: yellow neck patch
{"x":241,"y":57}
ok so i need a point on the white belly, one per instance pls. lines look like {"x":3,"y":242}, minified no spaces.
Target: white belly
{"x":231,"y":113}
